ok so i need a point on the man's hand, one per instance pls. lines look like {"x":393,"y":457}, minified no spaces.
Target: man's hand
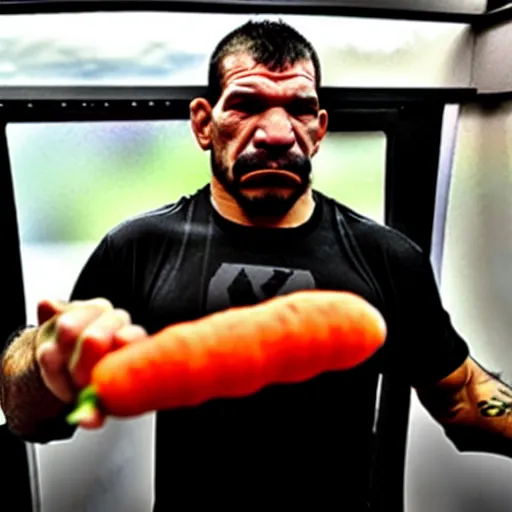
{"x":73,"y":337}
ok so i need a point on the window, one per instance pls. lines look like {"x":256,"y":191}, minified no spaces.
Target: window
{"x":155,"y":48}
{"x":75,"y":181}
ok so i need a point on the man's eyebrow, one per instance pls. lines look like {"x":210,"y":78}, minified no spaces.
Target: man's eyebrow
{"x":241,"y":94}
{"x":306,"y":98}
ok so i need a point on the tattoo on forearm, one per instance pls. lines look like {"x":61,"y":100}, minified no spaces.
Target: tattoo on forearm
{"x":495,"y":407}
{"x":500,"y":404}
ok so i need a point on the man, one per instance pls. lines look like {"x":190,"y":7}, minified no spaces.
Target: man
{"x":257,"y":230}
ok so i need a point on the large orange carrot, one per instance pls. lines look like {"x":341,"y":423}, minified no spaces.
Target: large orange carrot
{"x":236,"y":352}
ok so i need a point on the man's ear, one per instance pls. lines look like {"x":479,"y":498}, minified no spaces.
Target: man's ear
{"x":323,"y":121}
{"x":201,"y":116}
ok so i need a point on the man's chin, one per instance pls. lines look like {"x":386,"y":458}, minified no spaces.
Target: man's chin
{"x":264,"y":203}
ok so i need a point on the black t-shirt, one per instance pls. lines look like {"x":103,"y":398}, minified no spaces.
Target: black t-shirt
{"x":305,"y":444}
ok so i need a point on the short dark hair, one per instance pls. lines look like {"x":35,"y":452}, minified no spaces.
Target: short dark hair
{"x":274,"y":44}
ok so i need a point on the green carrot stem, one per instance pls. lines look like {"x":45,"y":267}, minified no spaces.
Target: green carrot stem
{"x":87,"y":404}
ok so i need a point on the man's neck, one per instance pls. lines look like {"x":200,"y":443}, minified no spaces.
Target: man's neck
{"x":228,"y":208}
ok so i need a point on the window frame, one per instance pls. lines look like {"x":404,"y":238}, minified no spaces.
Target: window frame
{"x":411,"y":120}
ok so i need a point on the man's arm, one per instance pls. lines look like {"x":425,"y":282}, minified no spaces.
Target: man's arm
{"x":44,"y":368}
{"x":31,"y":410}
{"x":474,"y":407}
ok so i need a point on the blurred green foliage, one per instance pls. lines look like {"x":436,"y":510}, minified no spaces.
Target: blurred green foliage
{"x":75,"y":181}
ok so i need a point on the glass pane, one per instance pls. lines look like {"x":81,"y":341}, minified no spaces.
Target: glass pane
{"x":68,"y":170}
{"x":75,"y":181}
{"x":155,"y":48}
{"x":350,"y":167}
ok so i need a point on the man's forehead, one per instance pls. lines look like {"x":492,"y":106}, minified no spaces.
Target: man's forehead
{"x":241,"y":68}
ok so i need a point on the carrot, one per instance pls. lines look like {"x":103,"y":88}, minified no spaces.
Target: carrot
{"x":234,"y":353}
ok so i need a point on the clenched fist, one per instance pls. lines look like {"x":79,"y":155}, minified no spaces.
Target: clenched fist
{"x":73,"y":337}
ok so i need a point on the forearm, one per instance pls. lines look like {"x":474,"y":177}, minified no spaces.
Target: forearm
{"x":478,"y":417}
{"x":491,"y":408}
{"x":31,"y":410}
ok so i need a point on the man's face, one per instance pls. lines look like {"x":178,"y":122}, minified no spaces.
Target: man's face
{"x":263,"y":132}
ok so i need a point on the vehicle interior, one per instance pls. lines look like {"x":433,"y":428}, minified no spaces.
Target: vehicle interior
{"x":94,"y":109}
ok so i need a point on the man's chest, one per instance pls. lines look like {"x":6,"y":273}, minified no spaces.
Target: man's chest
{"x":214,"y":275}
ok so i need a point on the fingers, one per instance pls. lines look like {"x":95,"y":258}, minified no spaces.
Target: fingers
{"x":95,"y":420}
{"x":79,"y":316}
{"x":94,"y":342}
{"x":129,"y":334}
{"x":46,"y":309}
{"x":72,"y":338}
{"x":53,"y":369}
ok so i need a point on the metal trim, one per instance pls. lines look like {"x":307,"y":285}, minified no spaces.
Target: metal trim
{"x":173,"y":93}
{"x":493,"y":18}
{"x":444,"y":174}
{"x":309,"y":7}
{"x":54,"y":104}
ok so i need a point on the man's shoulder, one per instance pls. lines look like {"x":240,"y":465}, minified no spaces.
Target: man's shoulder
{"x":371,"y":235}
{"x":161,"y":221}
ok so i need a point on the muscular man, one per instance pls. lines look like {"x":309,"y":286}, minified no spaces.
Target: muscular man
{"x":258,"y":229}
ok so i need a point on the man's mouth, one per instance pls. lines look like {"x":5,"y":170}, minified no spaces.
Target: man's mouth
{"x":270,"y":178}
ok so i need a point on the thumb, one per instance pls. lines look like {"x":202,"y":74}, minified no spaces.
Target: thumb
{"x":47,"y":309}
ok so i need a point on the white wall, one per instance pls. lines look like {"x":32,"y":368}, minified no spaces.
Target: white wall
{"x":476,"y":288}
{"x":477,"y":269}
{"x":492,"y":66}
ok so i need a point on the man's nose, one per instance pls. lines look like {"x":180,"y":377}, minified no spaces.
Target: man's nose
{"x":274,"y":131}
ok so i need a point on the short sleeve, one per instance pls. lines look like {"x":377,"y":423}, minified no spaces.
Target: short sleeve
{"x":428,"y":347}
